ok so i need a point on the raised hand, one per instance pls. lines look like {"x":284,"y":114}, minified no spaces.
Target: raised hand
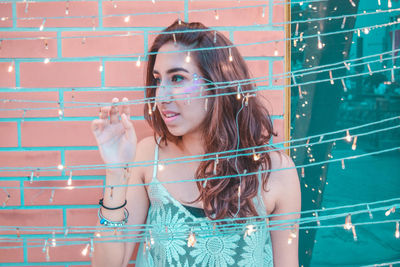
{"x":116,"y":137}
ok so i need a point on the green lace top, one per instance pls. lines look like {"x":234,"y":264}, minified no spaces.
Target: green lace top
{"x":171,"y":223}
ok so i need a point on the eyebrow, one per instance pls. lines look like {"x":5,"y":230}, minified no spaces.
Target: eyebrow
{"x":172,"y":70}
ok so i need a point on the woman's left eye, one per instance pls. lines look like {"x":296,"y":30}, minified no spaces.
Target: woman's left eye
{"x":177,"y":78}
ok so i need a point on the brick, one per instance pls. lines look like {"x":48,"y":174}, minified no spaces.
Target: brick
{"x":6,"y":13}
{"x":32,"y":159}
{"x":57,"y":9}
{"x":99,"y":97}
{"x":15,"y":197}
{"x":34,"y":217}
{"x":125,"y":8}
{"x":7,"y":79}
{"x":278,"y":13}
{"x":44,"y":111}
{"x":59,"y":253}
{"x":11,"y":254}
{"x":56,"y":133}
{"x":270,"y":43}
{"x":259,"y":70}
{"x":82,"y":217}
{"x":233,"y":16}
{"x":28,"y":48}
{"x":279,"y":127}
{"x":113,"y":45}
{"x":8,"y":134}
{"x":84,"y":157}
{"x":71,"y":195}
{"x":278,"y":73}
{"x":125,"y":73}
{"x":273,"y":100}
{"x":60,"y":74}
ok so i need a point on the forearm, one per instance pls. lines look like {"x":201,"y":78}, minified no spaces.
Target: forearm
{"x":108,"y":253}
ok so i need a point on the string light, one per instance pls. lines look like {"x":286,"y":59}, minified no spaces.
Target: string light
{"x":344,"y":85}
{"x":348,"y":225}
{"x":354,"y":146}
{"x":320,"y":46}
{"x":46,"y":45}
{"x":85,"y":250}
{"x":174,"y":37}
{"x":18,"y":232}
{"x":52,"y":196}
{"x":297,"y":29}
{"x":343,"y":23}
{"x":353,"y":229}
{"x":379,"y":2}
{"x":53,"y":240}
{"x":179,"y":21}
{"x":215,"y":165}
{"x":11,"y":67}
{"x":391,"y":210}
{"x":215,"y":37}
{"x":276,"y":53}
{"x":369,"y":69}
{"x":230,"y":55}
{"x":302,"y":172}
{"x":369,"y":212}
{"x":352,"y":3}
{"x":67,"y":8}
{"x":366,"y":30}
{"x":331,"y":78}
{"x":347,"y":65}
{"x":187,"y":59}
{"x":31,"y":180}
{"x":216,"y":15}
{"x":348,"y":136}
{"x":138,"y":62}
{"x":256,"y":157}
{"x":191,"y":241}
{"x":127,"y":19}
{"x":250,"y":229}
{"x":292,"y":234}
{"x":60,"y":167}
{"x":392,"y":75}
{"x":42,"y":25}
{"x":46,"y":60}
{"x":238,"y":94}
{"x":343,"y":166}
{"x":149,"y":108}
{"x":91,"y":247}
{"x":263,"y":12}
{"x":397,"y":233}
{"x":389,"y":3}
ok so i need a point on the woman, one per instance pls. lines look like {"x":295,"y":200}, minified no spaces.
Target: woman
{"x":199,"y":108}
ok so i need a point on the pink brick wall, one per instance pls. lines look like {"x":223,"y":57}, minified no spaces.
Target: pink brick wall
{"x":39,"y":138}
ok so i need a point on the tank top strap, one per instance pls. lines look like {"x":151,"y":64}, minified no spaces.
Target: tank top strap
{"x":258,"y":200}
{"x":155,"y":164}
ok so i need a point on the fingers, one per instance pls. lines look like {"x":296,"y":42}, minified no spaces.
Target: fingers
{"x":114,"y":111}
{"x":129,"y":129}
{"x":125,"y":109}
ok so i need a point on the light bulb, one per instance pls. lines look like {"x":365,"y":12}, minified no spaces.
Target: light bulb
{"x":331,"y":78}
{"x":46,"y":60}
{"x":138,"y":62}
{"x":127,"y":18}
{"x":60,"y":167}
{"x":348,"y":224}
{"x":348,"y":136}
{"x":216,"y":15}
{"x":187,"y":59}
{"x":10,"y":68}
{"x":354,"y":146}
{"x":389,"y":3}
{"x":397,"y":233}
{"x":85,"y":250}
{"x":230,"y":55}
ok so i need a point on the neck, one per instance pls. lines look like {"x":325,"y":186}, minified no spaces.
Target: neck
{"x":192,"y":144}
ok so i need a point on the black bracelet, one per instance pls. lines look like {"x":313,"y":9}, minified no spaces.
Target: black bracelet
{"x":107,"y":208}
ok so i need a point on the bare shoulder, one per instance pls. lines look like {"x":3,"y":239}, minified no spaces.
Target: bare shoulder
{"x":283,"y":184}
{"x":144,"y":152}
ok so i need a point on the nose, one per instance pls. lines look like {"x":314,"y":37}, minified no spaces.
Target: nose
{"x":164,"y":93}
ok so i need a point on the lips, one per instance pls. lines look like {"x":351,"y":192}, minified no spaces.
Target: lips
{"x":169,"y":115}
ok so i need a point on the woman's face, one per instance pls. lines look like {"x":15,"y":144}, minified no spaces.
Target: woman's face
{"x":177,"y":80}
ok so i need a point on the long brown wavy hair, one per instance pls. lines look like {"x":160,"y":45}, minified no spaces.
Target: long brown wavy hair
{"x":219,"y":196}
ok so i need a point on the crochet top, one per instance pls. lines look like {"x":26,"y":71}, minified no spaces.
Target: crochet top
{"x":178,"y":237}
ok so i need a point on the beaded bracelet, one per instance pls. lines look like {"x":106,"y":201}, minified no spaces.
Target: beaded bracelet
{"x":106,"y":222}
{"x":107,"y":208}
